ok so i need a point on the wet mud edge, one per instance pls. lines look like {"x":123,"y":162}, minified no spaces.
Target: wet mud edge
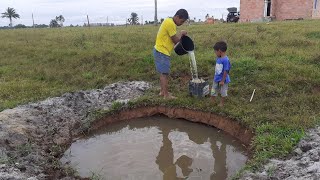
{"x":230,"y":126}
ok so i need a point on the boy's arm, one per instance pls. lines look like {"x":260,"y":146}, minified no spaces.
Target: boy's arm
{"x":176,"y":38}
{"x":223,"y":78}
{"x":226,"y":67}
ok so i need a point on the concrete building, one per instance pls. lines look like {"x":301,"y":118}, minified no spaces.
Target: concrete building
{"x":260,"y":10}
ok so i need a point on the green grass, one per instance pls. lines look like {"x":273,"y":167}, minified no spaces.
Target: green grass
{"x":280,"y":60}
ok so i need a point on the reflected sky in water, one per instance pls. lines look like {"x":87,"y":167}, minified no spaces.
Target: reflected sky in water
{"x":157,"y":148}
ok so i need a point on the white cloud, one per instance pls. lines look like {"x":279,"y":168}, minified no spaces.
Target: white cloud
{"x":117,"y":11}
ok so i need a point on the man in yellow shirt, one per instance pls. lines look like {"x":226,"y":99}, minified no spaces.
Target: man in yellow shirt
{"x":167,"y":37}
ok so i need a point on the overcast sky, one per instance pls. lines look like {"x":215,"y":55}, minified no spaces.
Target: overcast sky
{"x":116,"y":11}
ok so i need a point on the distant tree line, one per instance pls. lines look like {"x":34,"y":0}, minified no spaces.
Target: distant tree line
{"x":18,"y":26}
{"x":58,"y":21}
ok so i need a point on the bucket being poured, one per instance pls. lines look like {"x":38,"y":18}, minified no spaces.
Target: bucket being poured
{"x":184,"y":46}
{"x":198,"y":88}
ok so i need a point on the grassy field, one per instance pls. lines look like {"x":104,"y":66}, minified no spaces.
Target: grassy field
{"x":280,"y":60}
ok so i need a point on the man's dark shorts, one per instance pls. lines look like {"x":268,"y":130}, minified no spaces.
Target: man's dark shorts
{"x":162,"y":62}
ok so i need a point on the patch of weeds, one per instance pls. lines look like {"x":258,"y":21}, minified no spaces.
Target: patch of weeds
{"x":88,"y":75}
{"x":274,"y":140}
{"x":70,"y":171}
{"x":148,"y":59}
{"x":85,"y":125}
{"x":315,"y":60}
{"x":55,"y":163}
{"x":261,"y":29}
{"x":302,"y":43}
{"x":56,"y":150}
{"x":96,"y":176}
{"x":313,"y":35}
{"x":271,"y":170}
{"x":4,"y":160}
{"x":97,"y":114}
{"x":24,"y":149}
{"x":40,"y":75}
{"x":116,"y":106}
{"x":79,"y":41}
{"x":244,"y":67}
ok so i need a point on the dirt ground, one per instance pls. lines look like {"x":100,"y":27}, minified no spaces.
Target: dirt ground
{"x":303,"y":164}
{"x":34,"y":136}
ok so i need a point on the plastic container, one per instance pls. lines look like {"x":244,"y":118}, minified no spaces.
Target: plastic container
{"x":199,"y":89}
{"x":184,"y":45}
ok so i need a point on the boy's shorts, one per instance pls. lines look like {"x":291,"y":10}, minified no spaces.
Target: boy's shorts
{"x":216,"y":88}
{"x":162,"y":62}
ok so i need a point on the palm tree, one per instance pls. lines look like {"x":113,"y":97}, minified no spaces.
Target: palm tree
{"x":60,"y":19}
{"x":10,"y":13}
{"x":53,"y":23}
{"x":133,"y":19}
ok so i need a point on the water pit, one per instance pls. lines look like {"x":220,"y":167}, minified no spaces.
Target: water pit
{"x":157,"y":148}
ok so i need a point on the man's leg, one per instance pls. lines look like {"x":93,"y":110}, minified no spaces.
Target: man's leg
{"x":164,"y":85}
{"x":162,"y":63}
{"x":165,"y":89}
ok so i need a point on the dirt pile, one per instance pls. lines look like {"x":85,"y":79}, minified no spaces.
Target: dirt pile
{"x":33,"y":136}
{"x":303,"y":164}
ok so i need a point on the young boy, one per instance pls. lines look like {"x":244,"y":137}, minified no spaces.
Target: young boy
{"x":167,"y":37}
{"x":221,"y":76}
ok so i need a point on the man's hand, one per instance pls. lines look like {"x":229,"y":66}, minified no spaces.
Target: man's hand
{"x":183,"y":32}
{"x":221,"y":83}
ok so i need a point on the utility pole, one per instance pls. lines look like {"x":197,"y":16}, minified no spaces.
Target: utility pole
{"x":155,"y":13}
{"x":107,"y":19}
{"x":142,"y":20}
{"x":33,"y":21}
{"x":88,"y":21}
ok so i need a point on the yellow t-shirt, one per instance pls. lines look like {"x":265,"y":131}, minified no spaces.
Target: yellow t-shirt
{"x":164,"y":44}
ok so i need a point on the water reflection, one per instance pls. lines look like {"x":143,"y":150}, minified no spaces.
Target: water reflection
{"x":157,"y":148}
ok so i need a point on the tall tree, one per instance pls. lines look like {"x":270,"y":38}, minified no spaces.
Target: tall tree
{"x":10,"y":13}
{"x":60,"y":19}
{"x":134,"y":19}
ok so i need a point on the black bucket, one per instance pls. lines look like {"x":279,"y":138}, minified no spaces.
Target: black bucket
{"x":199,"y":89}
{"x":184,"y":45}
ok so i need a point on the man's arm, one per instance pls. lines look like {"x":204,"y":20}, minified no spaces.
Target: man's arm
{"x":176,"y":38}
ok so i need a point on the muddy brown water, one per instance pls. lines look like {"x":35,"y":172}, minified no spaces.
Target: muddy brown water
{"x":157,"y":148}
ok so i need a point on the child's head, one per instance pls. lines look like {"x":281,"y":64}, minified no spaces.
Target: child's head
{"x":220,"y":48}
{"x":180,"y":17}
